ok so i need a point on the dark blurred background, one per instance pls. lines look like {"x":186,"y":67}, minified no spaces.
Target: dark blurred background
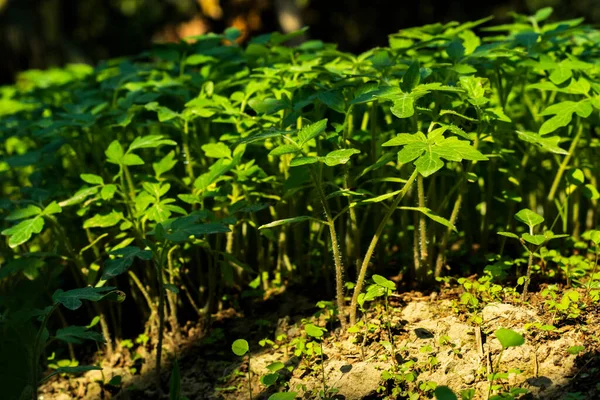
{"x":45,"y":33}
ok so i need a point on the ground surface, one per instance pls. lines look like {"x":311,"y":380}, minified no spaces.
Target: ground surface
{"x":432,"y":342}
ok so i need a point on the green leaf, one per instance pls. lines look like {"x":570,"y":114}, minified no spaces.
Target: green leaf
{"x":311,"y":131}
{"x":77,"y":334}
{"x":276,"y":366}
{"x":302,"y":160}
{"x":455,"y":50}
{"x":509,"y":234}
{"x":537,"y":240}
{"x":124,"y":258}
{"x":314,"y":331}
{"x":575,"y":177}
{"x":197,"y":59}
{"x":269,"y":379}
{"x":333,"y":99}
{"x":386,"y":283}
{"x":285,"y":221}
{"x":430,"y":150}
{"x":175,"y":381}
{"x":574,"y":350}
{"x":26,"y":212}
{"x":405,"y":138}
{"x":529,"y":218}
{"x":404,"y":106}
{"x":216,"y":150}
{"x":240,"y":347}
{"x":411,"y":77}
{"x":71,"y":299}
{"x":430,"y":214}
{"x":52,"y":208}
{"x":545,"y":143}
{"x":338,"y":157}
{"x":79,"y":196}
{"x":165,"y":164}
{"x":542,"y":14}
{"x":164,"y":114}
{"x":563,"y":114}
{"x":108,"y":192}
{"x":509,"y":338}
{"x":595,"y":236}
{"x":591,"y":192}
{"x":23,"y":231}
{"x":92,"y":179}
{"x":288,"y":148}
{"x":268,"y":105}
{"x":150,"y":142}
{"x":103,"y":221}
{"x":114,"y":153}
{"x":132,"y":159}
{"x":444,"y":393}
{"x":283,"y":396}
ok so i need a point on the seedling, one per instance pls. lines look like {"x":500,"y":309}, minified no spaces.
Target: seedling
{"x":240,"y":348}
{"x":530,"y":241}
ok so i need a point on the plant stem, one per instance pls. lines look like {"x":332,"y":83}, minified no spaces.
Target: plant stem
{"x":564,"y":164}
{"x":161,"y":316}
{"x":337,"y":257}
{"x":528,"y":277}
{"x":35,"y":369}
{"x":423,"y":264}
{"x":365,"y":263}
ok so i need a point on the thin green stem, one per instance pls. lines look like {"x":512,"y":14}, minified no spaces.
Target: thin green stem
{"x":367,"y":259}
{"x":337,"y":256}
{"x":565,"y":163}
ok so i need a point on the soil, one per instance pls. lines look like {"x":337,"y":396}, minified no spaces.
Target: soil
{"x":432,"y":343}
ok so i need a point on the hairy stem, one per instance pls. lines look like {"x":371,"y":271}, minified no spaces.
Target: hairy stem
{"x":366,"y":260}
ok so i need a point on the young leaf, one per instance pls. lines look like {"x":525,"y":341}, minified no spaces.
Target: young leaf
{"x":509,"y":338}
{"x":537,"y":240}
{"x":103,"y":221}
{"x":124,"y":259}
{"x":114,"y":153}
{"x":563,"y":114}
{"x":269,"y":379}
{"x":314,"y":331}
{"x":411,"y":77}
{"x":240,"y":347}
{"x":71,"y":299}
{"x":311,"y":131}
{"x":529,"y":218}
{"x":283,"y":396}
{"x":165,"y":164}
{"x":216,"y":150}
{"x":288,"y":148}
{"x":285,"y":222}
{"x":77,"y":334}
{"x":23,"y":231}
{"x":92,"y":179}
{"x":383,"y":282}
{"x":444,"y":393}
{"x":338,"y":157}
{"x":25,"y":212}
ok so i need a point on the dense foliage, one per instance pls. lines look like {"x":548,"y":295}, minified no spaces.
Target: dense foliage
{"x":196,"y":175}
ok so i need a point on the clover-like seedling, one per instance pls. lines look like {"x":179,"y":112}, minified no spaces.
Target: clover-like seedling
{"x":317,"y":332}
{"x":507,"y":338}
{"x":240,"y":348}
{"x":530,"y":241}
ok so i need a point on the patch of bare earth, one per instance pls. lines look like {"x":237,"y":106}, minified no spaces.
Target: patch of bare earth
{"x":465,"y":354}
